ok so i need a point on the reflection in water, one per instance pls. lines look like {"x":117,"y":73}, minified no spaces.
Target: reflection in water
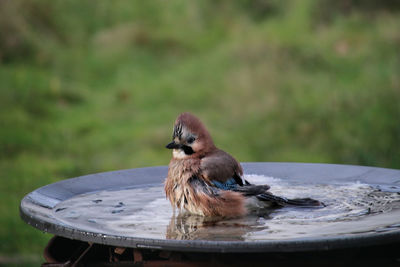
{"x":187,"y":226}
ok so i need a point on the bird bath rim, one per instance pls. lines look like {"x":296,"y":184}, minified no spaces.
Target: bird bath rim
{"x":35,"y":205}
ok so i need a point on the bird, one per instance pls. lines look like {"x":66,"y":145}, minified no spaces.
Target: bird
{"x":205,"y":180}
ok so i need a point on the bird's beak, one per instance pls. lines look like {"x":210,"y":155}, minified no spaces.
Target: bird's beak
{"x":173,"y":145}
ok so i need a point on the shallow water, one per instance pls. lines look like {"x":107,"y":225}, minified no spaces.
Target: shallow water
{"x":144,"y":212}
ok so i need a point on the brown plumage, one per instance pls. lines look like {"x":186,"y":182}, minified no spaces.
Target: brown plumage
{"x":205,"y":180}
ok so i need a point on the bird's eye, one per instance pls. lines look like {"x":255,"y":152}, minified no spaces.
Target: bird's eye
{"x":191,"y":140}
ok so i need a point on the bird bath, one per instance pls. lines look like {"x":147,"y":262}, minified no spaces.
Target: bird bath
{"x":128,"y":208}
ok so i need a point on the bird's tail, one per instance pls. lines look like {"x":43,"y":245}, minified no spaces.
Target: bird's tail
{"x":282,"y":201}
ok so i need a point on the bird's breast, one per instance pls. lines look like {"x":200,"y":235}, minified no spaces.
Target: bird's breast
{"x":177,"y":182}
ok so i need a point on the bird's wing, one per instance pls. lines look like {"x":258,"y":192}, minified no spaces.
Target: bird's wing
{"x":246,"y":190}
{"x":230,"y":184}
{"x":220,"y":166}
{"x":251,"y":190}
{"x":222,"y":171}
{"x":282,"y":201}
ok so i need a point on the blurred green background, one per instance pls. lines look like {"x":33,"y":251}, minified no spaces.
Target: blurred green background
{"x":91,"y":86}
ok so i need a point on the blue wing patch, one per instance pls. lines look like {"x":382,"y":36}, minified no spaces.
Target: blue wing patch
{"x":230,"y":184}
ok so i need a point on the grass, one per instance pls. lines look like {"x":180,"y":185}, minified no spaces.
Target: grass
{"x":88,"y":87}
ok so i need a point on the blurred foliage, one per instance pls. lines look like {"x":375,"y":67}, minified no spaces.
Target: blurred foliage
{"x":91,"y":86}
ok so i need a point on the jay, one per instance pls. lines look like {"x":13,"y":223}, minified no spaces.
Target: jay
{"x":205,"y":180}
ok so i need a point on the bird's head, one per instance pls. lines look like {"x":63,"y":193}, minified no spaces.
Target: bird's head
{"x":190,"y":137}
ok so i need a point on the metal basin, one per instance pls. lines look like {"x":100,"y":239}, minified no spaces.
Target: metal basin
{"x":42,"y":208}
